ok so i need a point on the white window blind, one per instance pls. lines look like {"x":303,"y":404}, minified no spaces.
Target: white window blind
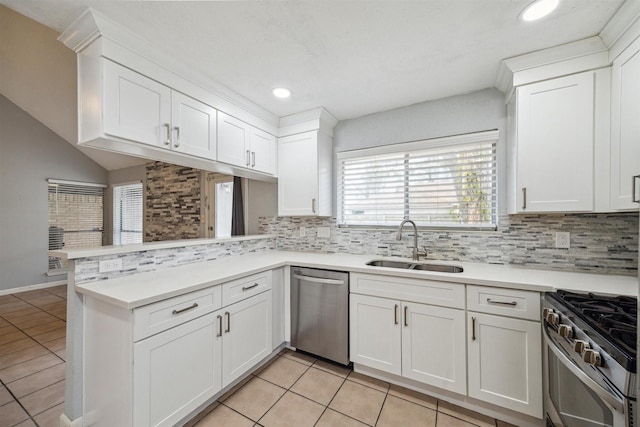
{"x":127,"y":213}
{"x":445,"y":182}
{"x":76,"y":211}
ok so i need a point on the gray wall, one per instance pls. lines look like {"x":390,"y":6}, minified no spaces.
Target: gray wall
{"x":473,"y":112}
{"x":29,"y":154}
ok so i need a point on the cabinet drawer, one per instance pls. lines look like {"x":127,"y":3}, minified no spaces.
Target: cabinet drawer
{"x":505,"y":302}
{"x":444,"y":294}
{"x":240,"y":289}
{"x":153,"y":318}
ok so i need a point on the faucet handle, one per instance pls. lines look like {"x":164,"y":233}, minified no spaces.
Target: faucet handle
{"x":422,"y":253}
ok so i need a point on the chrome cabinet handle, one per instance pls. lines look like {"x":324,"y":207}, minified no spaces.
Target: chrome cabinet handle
{"x":473,"y":329}
{"x":174,"y":312}
{"x":313,"y":205}
{"x":246,"y":288}
{"x":248,"y":158}
{"x":168,"y":140}
{"x":491,"y":301}
{"x":406,"y":320}
{"x":524,"y":198}
{"x":177,"y":143}
{"x":253,"y":159}
{"x":228,"y":328}
{"x":634,"y":199}
{"x":395,"y":314}
{"x":219,"y":334}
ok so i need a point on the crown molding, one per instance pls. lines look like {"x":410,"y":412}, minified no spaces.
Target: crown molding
{"x":569,"y":58}
{"x":621,"y":22}
{"x":310,"y":120}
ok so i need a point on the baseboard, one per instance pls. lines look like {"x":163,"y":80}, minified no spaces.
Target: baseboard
{"x":32,"y":287}
{"x":66,"y":422}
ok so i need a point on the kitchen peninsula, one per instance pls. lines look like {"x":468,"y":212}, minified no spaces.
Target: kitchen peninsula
{"x":156,"y":278}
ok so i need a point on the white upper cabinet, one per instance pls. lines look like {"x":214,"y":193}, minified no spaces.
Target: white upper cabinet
{"x":625,"y":128}
{"x":241,"y":144}
{"x":136,"y":108}
{"x":264,"y":151}
{"x":142,"y":110}
{"x":555,"y":145}
{"x":193,"y":126}
{"x":304,"y":175}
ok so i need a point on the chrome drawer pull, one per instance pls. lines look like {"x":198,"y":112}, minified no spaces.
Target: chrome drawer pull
{"x":406,"y":319}
{"x":219,"y":325}
{"x":246,"y":288}
{"x":633,"y":189}
{"x":195,"y":305}
{"x":168,"y":140}
{"x":473,"y":329}
{"x":228,"y":315}
{"x":395,"y":314}
{"x":524,"y":198}
{"x":512,"y":303}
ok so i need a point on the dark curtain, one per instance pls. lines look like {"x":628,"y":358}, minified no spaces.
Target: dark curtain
{"x":237,"y":216}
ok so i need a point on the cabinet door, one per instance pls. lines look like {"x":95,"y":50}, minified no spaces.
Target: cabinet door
{"x":505,"y":362}
{"x":247,"y":335}
{"x":194,"y":126}
{"x":263,"y":151}
{"x":555,"y":123}
{"x":233,"y":141}
{"x":176,"y":371}
{"x":375,"y":334}
{"x":298,"y":175}
{"x":625,"y":127}
{"x":433,"y":346}
{"x":135,"y":107}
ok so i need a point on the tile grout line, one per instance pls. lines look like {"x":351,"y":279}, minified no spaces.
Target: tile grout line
{"x":15,"y":399}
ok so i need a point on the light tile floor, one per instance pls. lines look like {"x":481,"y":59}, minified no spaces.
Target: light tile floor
{"x":297,"y":390}
{"x":32,"y":357}
{"x":293,"y":390}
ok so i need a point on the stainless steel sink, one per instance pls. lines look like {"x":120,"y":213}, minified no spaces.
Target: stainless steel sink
{"x":440,"y":268}
{"x":390,"y":264}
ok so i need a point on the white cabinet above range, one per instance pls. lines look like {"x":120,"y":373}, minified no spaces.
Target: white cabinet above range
{"x":556,"y":126}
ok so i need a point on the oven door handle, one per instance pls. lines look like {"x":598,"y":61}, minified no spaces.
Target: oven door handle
{"x":610,"y":399}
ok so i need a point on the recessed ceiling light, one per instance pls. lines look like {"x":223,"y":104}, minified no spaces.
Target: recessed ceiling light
{"x":281,"y":92}
{"x":538,"y":9}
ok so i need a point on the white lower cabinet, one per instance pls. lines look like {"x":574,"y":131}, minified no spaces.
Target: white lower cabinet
{"x":246,"y":338}
{"x":505,"y":362}
{"x":176,"y":371}
{"x":156,"y":364}
{"x":417,"y":341}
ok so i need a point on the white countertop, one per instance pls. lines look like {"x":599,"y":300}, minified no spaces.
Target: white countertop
{"x":145,"y":288}
{"x":149,"y":246}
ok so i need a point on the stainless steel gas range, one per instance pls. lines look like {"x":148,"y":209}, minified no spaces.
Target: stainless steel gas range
{"x":590,"y":360}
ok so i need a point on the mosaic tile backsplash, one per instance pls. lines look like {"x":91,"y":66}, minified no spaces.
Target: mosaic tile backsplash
{"x":600,"y":243}
{"x":86,"y":269}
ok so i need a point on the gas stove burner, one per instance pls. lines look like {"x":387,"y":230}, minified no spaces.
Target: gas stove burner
{"x":614,"y":318}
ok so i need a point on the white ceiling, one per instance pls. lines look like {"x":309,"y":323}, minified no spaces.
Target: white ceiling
{"x":351,"y":57}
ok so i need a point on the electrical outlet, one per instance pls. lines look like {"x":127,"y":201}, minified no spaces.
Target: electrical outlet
{"x":110,"y":265}
{"x":324,"y":232}
{"x":303,"y":231}
{"x":563,"y":240}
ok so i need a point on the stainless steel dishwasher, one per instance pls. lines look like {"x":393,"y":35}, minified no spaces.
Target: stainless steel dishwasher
{"x":320,"y":313}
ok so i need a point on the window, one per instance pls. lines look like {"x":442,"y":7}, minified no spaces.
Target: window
{"x":76,"y":212}
{"x":127,"y":214}
{"x":444,"y":182}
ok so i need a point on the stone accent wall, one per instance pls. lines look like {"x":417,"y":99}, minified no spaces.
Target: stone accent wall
{"x":600,"y":243}
{"x":86,"y":269}
{"x":173,"y":203}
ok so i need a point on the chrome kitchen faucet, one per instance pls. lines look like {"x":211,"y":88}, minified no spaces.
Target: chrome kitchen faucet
{"x":416,"y":252}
